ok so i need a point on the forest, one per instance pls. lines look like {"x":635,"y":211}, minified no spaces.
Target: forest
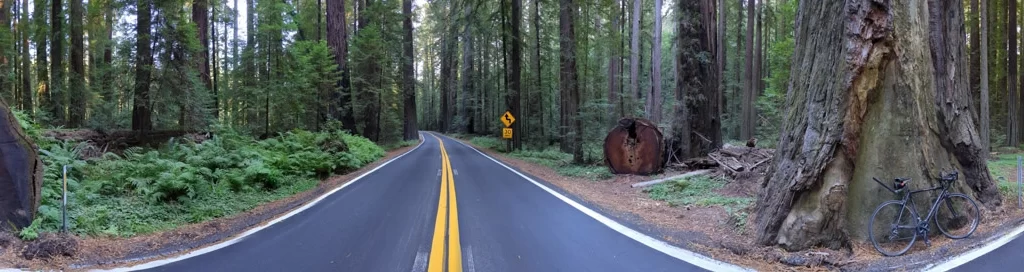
{"x":301,"y":89}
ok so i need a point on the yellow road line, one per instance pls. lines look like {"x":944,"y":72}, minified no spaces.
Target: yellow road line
{"x":436,"y":263}
{"x":446,"y":208}
{"x":454,"y":245}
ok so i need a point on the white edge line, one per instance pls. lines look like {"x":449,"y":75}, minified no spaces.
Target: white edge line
{"x":691,"y":257}
{"x":956,"y":261}
{"x":239,"y":237}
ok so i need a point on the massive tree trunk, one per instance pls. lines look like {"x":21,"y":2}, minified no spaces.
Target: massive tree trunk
{"x":974,"y":50}
{"x":445,"y":115}
{"x":466,"y":96}
{"x":747,"y":105}
{"x":696,"y":126}
{"x":201,"y":17}
{"x":77,"y":91}
{"x":723,"y":14}
{"x":142,"y":120}
{"x":567,"y":76}
{"x":337,"y":38}
{"x":654,"y":98}
{"x":514,"y":76}
{"x":1012,"y":100}
{"x":634,"y":57}
{"x":57,"y":96}
{"x":409,"y":128}
{"x":865,"y":101}
{"x":986,"y":142}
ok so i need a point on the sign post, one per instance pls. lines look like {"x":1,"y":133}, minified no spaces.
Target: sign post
{"x":506,"y":133}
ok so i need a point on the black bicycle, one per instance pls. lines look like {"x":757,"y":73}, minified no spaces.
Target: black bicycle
{"x":895,"y":225}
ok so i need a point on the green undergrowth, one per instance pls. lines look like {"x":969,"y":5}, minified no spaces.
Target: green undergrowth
{"x":549,"y":157}
{"x":1003,"y":168}
{"x":148,"y":190}
{"x":696,"y":190}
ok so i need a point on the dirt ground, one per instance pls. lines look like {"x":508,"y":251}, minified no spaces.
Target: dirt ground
{"x":710,"y":231}
{"x":108,"y":252}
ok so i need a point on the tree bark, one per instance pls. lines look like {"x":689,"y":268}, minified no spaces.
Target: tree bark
{"x":567,"y":76}
{"x":747,"y":128}
{"x":986,"y":142}
{"x":654,"y":99}
{"x":201,"y":17}
{"x":953,"y":98}
{"x":864,"y":101}
{"x":634,"y":58}
{"x":21,"y":173}
{"x":42,"y":75}
{"x":975,"y":57}
{"x":614,"y":59}
{"x":466,"y":95}
{"x":514,"y":77}
{"x":141,"y":111}
{"x":57,"y":96}
{"x":1012,"y":101}
{"x":537,"y":68}
{"x":409,"y":128}
{"x":26,"y":61}
{"x":446,"y":40}
{"x":696,"y":126}
{"x":337,"y":38}
{"x":723,"y":14}
{"x":77,"y":91}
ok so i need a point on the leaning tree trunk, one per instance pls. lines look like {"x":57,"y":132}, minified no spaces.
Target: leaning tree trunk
{"x":864,"y":102}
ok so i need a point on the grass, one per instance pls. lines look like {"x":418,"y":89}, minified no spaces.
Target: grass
{"x":549,"y":157}
{"x":1003,"y":169}
{"x":696,"y":190}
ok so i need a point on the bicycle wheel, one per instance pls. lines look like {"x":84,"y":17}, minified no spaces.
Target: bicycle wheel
{"x":957,"y":216}
{"x":893,"y":228}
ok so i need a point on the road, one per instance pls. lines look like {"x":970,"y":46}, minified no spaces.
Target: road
{"x":440,"y":207}
{"x":1006,"y":257}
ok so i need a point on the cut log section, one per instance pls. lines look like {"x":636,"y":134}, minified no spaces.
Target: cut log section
{"x":21,"y":173}
{"x":634,"y":146}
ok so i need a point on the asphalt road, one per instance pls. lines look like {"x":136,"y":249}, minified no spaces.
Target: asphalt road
{"x":490,"y":219}
{"x":1008,"y":257}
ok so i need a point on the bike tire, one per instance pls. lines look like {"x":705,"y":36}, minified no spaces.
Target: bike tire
{"x":892,"y":224}
{"x":957,"y":224}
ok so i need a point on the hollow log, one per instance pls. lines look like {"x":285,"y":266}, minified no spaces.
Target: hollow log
{"x":634,"y":146}
{"x":21,"y":173}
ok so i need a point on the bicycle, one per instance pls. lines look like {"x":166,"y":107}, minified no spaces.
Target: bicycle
{"x":897,"y":222}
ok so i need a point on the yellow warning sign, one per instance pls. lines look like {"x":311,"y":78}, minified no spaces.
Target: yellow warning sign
{"x":506,"y":133}
{"x":508,"y":119}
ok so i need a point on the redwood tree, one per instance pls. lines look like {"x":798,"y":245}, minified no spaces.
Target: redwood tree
{"x":337,"y":39}
{"x":868,"y":101}
{"x":141,"y":112}
{"x":409,"y":129}
{"x":568,"y":78}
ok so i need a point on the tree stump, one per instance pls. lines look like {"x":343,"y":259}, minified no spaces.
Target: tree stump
{"x":21,"y":173}
{"x":634,"y":146}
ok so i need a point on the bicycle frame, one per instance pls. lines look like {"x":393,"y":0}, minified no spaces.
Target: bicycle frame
{"x":913,"y":209}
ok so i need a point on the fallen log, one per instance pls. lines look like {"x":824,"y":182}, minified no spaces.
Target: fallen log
{"x":653,"y":182}
{"x":728,"y":162}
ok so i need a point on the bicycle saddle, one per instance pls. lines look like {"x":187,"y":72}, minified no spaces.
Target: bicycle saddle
{"x":900,"y":183}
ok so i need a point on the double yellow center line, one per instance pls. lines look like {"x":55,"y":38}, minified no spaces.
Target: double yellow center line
{"x":446,"y":209}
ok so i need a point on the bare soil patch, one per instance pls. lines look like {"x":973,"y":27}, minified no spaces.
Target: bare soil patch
{"x":108,"y":252}
{"x":717,"y":233}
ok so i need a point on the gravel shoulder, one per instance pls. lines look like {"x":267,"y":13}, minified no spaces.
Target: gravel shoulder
{"x":718,"y":233}
{"x":109,"y":252}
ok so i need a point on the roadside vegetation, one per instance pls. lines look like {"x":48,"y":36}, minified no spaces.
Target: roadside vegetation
{"x":548,"y":156}
{"x":1003,"y":168}
{"x":144,"y":190}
